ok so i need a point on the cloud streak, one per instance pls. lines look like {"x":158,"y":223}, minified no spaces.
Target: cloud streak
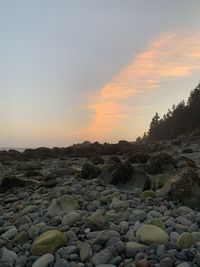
{"x":168,"y":57}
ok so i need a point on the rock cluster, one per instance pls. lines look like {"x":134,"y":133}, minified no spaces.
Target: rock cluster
{"x":54,"y":215}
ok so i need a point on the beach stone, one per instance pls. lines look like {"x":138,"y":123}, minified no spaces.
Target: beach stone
{"x":174,"y":236}
{"x":132,"y":248}
{"x":184,"y":264}
{"x":10,"y":233}
{"x":196,"y":236}
{"x":183,"y":221}
{"x":44,"y":261}
{"x":66,"y":252}
{"x":116,"y":261}
{"x":154,"y":214}
{"x":137,"y":215}
{"x":139,"y":256}
{"x":64,"y":203}
{"x":85,"y":251}
{"x":102,"y":257}
{"x":185,"y":240}
{"x":142,"y":263}
{"x":118,"y":204}
{"x":157,"y":222}
{"x":103,"y":236}
{"x":166,"y":262}
{"x":124,"y":226}
{"x":183,"y":210}
{"x":61,"y":263}
{"x":7,"y":257}
{"x":21,"y":261}
{"x":22,"y":220}
{"x":21,"y":238}
{"x":48,"y":242}
{"x":149,"y":234}
{"x":71,"y":217}
{"x":28,"y":209}
{"x":96,"y":221}
{"x":105,"y":265}
{"x":147,"y":193}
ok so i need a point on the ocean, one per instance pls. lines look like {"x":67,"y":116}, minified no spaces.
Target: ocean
{"x":20,"y":149}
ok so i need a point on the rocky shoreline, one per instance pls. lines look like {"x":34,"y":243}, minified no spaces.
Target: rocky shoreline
{"x":103,"y":211}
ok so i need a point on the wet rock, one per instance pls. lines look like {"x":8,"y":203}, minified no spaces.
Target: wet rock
{"x":9,"y":182}
{"x":44,"y":261}
{"x":71,"y":217}
{"x":64,"y":203}
{"x":85,"y":251}
{"x":185,"y":240}
{"x":7,"y":257}
{"x":102,"y":257}
{"x":149,"y":234}
{"x":132,"y":248}
{"x":48,"y":242}
{"x":89,"y":171}
{"x":103,"y":236}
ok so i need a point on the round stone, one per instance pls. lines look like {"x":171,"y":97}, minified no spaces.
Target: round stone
{"x":48,"y":242}
{"x":151,"y":234}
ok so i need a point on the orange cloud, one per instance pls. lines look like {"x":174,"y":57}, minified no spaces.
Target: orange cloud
{"x":168,"y":57}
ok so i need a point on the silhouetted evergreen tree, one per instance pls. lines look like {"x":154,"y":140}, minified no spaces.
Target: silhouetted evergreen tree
{"x":180,"y":120}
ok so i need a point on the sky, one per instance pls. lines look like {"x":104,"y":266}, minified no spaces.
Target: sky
{"x":98,"y":70}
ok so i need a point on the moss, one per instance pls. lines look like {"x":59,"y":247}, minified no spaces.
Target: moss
{"x":48,"y":242}
{"x":147,"y":193}
{"x":185,"y":240}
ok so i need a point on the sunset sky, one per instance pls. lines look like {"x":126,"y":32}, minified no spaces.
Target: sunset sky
{"x":74,"y":70}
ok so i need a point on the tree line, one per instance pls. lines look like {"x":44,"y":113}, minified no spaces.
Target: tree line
{"x":181,"y":119}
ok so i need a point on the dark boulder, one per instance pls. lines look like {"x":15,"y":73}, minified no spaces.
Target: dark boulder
{"x":184,"y":187}
{"x":188,"y":151}
{"x":97,"y":160}
{"x":159,"y":162}
{"x":9,"y":182}
{"x":138,"y":158}
{"x":124,"y":175}
{"x":89,"y":171}
{"x":114,"y":159}
{"x":184,"y":161}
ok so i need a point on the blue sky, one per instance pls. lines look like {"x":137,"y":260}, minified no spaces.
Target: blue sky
{"x":57,"y":57}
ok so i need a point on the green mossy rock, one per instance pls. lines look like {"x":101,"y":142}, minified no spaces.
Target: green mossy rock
{"x":96,"y":220}
{"x":48,"y":242}
{"x":21,"y":238}
{"x":151,"y":234}
{"x":185,"y":240}
{"x":147,"y":193}
{"x":157,"y":222}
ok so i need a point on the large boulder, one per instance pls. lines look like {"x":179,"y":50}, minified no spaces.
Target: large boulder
{"x":64,"y":203}
{"x":48,"y":242}
{"x":183,"y":162}
{"x":138,"y":157}
{"x":9,"y":182}
{"x":151,"y":234}
{"x":184,"y":187}
{"x":160,"y":162}
{"x":125,"y":176}
{"x":90,"y":171}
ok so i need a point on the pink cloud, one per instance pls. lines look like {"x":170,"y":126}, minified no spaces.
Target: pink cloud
{"x":168,"y":57}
